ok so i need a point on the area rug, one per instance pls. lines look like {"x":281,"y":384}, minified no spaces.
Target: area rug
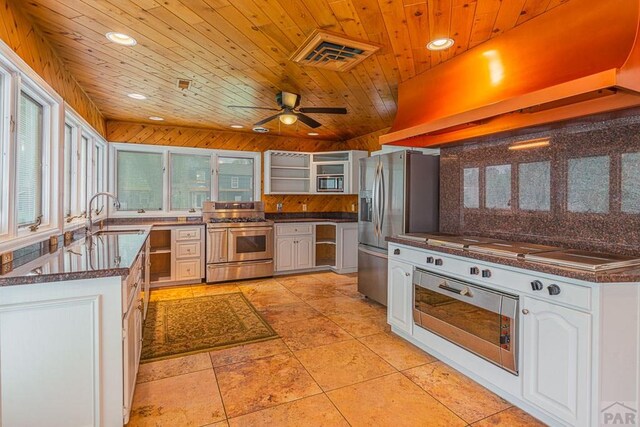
{"x":185,"y":326}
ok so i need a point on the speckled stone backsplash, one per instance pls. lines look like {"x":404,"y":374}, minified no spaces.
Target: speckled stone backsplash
{"x":580,"y":191}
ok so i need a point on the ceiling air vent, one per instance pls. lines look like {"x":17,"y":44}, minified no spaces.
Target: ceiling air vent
{"x":183,"y":84}
{"x":333,"y":51}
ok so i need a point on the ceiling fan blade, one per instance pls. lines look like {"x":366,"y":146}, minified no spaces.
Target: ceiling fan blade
{"x":308,"y":121}
{"x":268,"y":119}
{"x":323,"y":110}
{"x":253,"y":108}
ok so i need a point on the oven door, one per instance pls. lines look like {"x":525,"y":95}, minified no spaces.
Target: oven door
{"x":250,"y":244}
{"x":478,"y":319}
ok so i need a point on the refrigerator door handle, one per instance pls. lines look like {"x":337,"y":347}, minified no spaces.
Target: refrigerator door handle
{"x":376,"y":202}
{"x":383,"y":197}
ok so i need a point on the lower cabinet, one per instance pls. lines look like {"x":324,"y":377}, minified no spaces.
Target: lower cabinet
{"x":294,"y":252}
{"x":556,"y":360}
{"x":132,"y":346}
{"x":399,"y":300}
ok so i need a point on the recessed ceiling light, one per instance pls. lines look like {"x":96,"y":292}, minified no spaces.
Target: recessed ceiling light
{"x":156,"y":118}
{"x":136,"y":96}
{"x":260,"y":129}
{"x":440,"y":44}
{"x":313,"y":134}
{"x":122,"y":39}
{"x":237,"y":126}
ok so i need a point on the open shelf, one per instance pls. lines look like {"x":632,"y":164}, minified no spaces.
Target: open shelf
{"x":331,"y":262}
{"x":325,"y":244}
{"x":325,"y":241}
{"x":160,"y":251}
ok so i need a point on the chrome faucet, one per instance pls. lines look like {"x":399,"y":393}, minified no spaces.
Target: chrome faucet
{"x":116,"y":203}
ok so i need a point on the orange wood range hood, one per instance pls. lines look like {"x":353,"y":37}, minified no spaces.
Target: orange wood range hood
{"x":578,"y":59}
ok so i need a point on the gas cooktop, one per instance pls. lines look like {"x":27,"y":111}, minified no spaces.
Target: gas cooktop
{"x":235,"y":220}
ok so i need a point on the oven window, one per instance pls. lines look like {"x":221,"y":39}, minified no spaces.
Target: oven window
{"x":251,"y":244}
{"x":475,"y":320}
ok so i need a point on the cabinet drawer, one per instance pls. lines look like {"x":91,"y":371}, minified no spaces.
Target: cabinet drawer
{"x":187,"y":269}
{"x":293,"y":229}
{"x":188,"y":234}
{"x":187,"y":249}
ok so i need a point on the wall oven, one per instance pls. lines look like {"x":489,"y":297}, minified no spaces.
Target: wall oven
{"x":483,"y":321}
{"x":330,"y":183}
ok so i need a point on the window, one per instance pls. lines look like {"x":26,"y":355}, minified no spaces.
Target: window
{"x":534,"y":186}
{"x":588,"y":184}
{"x":190,"y":181}
{"x":471,"y":188}
{"x":29,"y":161}
{"x":498,"y":187}
{"x":69,"y":168}
{"x":99,"y":167}
{"x":631,"y":182}
{"x":140,"y":180}
{"x":235,"y":179}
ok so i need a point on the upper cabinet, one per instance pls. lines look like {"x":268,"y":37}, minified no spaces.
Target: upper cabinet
{"x":334,"y":172}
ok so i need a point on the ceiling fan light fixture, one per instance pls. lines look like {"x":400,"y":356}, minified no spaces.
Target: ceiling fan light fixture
{"x":441,"y":43}
{"x":288,"y":119}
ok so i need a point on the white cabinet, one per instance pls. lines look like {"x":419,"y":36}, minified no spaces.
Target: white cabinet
{"x":294,"y":252}
{"x":399,"y":299}
{"x":289,"y":172}
{"x":177,"y":254}
{"x":347,"y":248}
{"x":304,"y":252}
{"x":556,"y":360}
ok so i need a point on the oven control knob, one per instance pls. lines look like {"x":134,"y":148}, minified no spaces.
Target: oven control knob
{"x":486,"y":273}
{"x":553,"y":289}
{"x":474,"y":270}
{"x":429,"y":260}
{"x":536,"y":285}
{"x":438,"y":261}
{"x":396,"y":251}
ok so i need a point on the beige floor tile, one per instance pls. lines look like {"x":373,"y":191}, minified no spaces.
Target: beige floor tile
{"x":342,"y":305}
{"x":204,"y":290}
{"x":396,"y":351}
{"x":359,"y":325}
{"x":341,"y":364}
{"x":218,"y":424}
{"x":309,"y":291}
{"x":185,"y":400}
{"x":468,"y":399}
{"x":258,"y":384}
{"x":350,"y":291}
{"x":287,"y":313}
{"x":311,"y":333}
{"x":171,"y":367}
{"x":392,"y":400}
{"x":337,"y":279}
{"x":512,"y":417}
{"x":247,"y":352}
{"x":269,"y":294}
{"x":316,"y":411}
{"x":292,"y":281}
{"x":170,"y":293}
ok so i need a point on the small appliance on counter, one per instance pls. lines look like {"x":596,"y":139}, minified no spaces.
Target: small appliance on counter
{"x":399,"y":194}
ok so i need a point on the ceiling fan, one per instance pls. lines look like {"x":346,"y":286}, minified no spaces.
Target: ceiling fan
{"x":290,"y":112}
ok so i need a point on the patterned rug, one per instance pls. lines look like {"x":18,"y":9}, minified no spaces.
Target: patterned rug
{"x":178,"y":327}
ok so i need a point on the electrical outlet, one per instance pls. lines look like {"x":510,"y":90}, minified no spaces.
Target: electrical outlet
{"x":304,"y":207}
{"x":6,"y":257}
{"x":279,"y":207}
{"x":353,"y":207}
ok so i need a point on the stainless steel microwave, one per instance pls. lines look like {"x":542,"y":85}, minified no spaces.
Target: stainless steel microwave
{"x":330,"y":183}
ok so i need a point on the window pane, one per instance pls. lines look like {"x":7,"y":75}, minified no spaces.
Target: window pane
{"x":29,"y":160}
{"x":139,"y":180}
{"x":85,"y":186}
{"x":98,"y":174}
{"x":498,"y":187}
{"x":471,"y":187}
{"x":235,"y":179}
{"x":68,"y":168}
{"x":631,"y":182}
{"x":534,"y":184}
{"x":190,"y":181}
{"x":588,"y":184}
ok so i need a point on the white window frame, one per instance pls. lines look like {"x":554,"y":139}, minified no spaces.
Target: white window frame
{"x":19,"y":76}
{"x":166,"y":151}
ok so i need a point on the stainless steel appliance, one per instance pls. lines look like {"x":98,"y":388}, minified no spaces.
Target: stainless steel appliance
{"x":332,"y":183}
{"x":239,"y":241}
{"x":481,"y":320}
{"x":398,"y":194}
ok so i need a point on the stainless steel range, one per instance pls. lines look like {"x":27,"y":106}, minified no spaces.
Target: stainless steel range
{"x":239,"y":241}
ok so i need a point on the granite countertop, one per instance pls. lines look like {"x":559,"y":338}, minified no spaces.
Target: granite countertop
{"x":285,"y":220}
{"x":103,"y":255}
{"x":159,"y":221}
{"x":622,"y":275}
{"x":284,"y":217}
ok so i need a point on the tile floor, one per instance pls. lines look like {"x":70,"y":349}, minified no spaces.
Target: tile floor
{"x":336,"y":363}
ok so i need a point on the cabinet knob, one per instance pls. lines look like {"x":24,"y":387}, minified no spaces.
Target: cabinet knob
{"x":525,"y":311}
{"x":439,"y":261}
{"x":474,"y":270}
{"x":537,"y":285}
{"x":396,"y":251}
{"x":553,"y":289}
{"x":429,"y":260}
{"x":486,"y":273}
{"x":407,"y":274}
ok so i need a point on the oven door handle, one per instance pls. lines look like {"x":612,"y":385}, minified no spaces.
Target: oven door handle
{"x":465,"y":292}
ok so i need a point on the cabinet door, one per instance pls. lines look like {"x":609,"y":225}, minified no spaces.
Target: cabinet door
{"x":556,"y":360}
{"x":187,"y":269}
{"x":129,"y":357}
{"x":285,"y":258}
{"x":399,"y":300}
{"x":304,"y":252}
{"x":349,"y":250}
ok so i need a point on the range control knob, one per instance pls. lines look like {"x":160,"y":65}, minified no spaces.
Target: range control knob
{"x":474,"y":270}
{"x":537,"y":285}
{"x":396,"y":251}
{"x":486,"y":273}
{"x":429,"y":260}
{"x":438,"y":261}
{"x":553,"y":289}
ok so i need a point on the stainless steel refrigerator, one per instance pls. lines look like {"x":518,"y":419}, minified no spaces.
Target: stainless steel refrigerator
{"x":398,"y":194}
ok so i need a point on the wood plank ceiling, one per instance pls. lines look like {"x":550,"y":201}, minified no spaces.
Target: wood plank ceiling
{"x":237,"y":52}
